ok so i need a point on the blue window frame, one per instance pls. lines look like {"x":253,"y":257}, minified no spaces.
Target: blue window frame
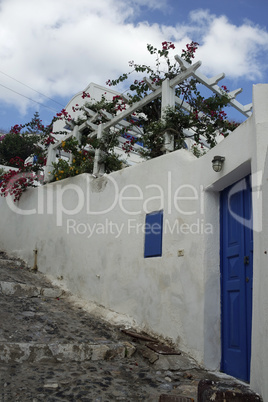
{"x":153,"y":234}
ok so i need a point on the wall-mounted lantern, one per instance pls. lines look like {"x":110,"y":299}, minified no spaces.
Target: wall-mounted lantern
{"x":217,"y":163}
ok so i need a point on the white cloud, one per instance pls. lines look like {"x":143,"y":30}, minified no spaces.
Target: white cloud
{"x":235,"y":50}
{"x":59,"y":46}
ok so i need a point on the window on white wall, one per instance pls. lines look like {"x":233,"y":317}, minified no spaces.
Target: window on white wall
{"x":153,"y":234}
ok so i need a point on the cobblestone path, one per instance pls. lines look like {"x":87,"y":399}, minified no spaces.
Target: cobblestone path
{"x":52,"y":350}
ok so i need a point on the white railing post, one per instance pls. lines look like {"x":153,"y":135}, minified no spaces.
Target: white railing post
{"x":77,"y":134}
{"x":98,"y":168}
{"x":168,"y":100}
{"x":51,"y":158}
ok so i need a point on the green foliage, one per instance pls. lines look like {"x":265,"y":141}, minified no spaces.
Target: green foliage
{"x":29,"y":140}
{"x":112,"y":162}
{"x":35,"y":126}
{"x":108,"y":106}
{"x":23,"y":141}
{"x":81,"y":161}
{"x":204,"y":118}
{"x":21,"y":145}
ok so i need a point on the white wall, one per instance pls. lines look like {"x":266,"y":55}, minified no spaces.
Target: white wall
{"x":259,"y":359}
{"x":163,"y":294}
{"x":7,"y":168}
{"x":175,"y":297}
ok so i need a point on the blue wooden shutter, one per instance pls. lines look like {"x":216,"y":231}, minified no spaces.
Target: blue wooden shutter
{"x":153,"y":234}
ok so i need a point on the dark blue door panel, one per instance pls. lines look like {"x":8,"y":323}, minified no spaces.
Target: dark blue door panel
{"x":236,"y":278}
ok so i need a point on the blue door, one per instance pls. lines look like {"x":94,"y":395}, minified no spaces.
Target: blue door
{"x":236,"y":278}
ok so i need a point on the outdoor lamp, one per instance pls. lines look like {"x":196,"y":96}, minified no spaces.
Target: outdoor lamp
{"x":217,"y":163}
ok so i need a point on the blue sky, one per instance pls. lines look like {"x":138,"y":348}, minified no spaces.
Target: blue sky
{"x":57,"y":47}
{"x":237,"y":11}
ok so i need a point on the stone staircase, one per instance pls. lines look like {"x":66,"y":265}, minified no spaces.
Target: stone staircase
{"x":42,"y":325}
{"x":53,"y":350}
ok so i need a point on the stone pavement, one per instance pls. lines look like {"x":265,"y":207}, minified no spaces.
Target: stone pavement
{"x":53,"y":350}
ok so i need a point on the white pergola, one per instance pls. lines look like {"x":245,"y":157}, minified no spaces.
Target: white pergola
{"x":167,"y":93}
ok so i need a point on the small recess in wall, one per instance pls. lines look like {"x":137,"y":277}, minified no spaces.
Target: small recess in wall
{"x":180,"y":253}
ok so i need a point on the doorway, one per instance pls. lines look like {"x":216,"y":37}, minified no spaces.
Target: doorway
{"x":236,"y":278}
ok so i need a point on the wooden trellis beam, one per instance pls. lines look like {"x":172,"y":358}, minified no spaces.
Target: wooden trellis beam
{"x":211,"y":83}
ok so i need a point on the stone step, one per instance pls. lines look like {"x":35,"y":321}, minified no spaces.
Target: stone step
{"x":45,"y":337}
{"x":24,"y":290}
{"x":32,"y":352}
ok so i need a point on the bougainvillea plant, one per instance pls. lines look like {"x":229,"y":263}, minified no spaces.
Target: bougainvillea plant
{"x":24,"y":149}
{"x":205,"y":120}
{"x":104,"y":110}
{"x":14,"y":182}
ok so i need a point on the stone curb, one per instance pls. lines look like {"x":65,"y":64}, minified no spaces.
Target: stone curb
{"x":22,"y":290}
{"x":219,"y":391}
{"x":20,"y":352}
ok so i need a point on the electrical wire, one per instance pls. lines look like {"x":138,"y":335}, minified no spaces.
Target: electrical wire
{"x":24,"y":96}
{"x":40,"y":93}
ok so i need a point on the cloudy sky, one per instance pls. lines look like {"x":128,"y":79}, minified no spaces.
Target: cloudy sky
{"x":52,"y":49}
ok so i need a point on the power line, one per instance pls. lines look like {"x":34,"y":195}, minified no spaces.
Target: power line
{"x":40,"y":93}
{"x":24,"y":96}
